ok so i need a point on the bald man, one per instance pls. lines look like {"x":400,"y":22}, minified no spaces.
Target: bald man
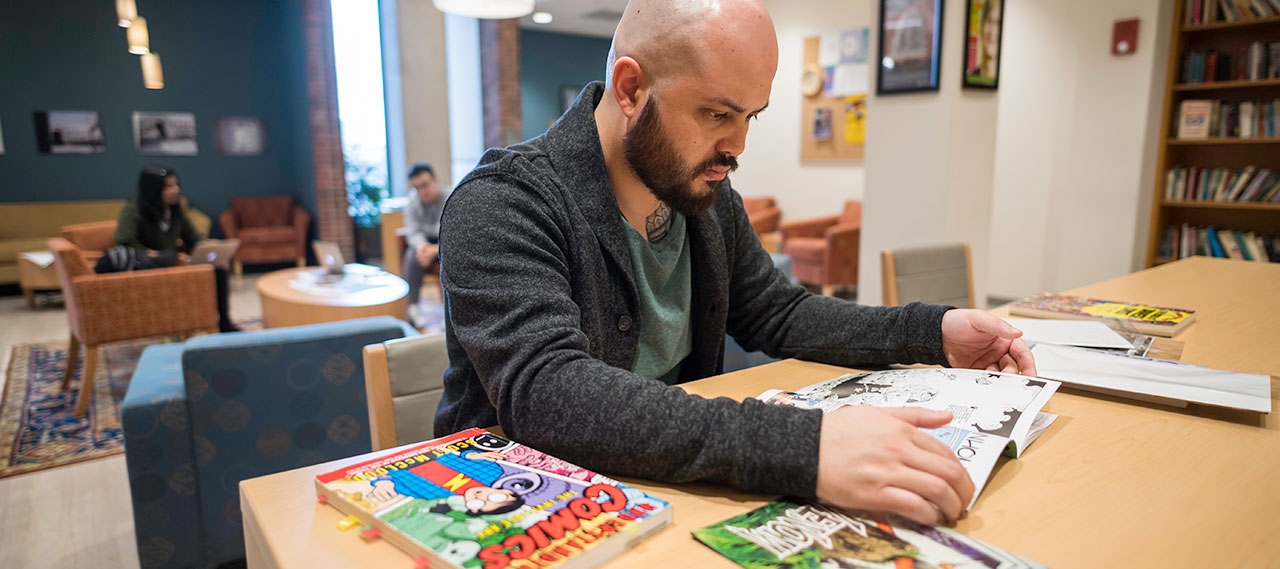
{"x":588,"y":270}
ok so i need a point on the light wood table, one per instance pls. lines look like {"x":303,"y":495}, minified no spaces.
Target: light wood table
{"x":285,"y":305}
{"x":1112,"y":483}
{"x":34,"y":277}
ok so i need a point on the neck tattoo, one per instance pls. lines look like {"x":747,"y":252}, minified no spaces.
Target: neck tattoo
{"x":658,"y":224}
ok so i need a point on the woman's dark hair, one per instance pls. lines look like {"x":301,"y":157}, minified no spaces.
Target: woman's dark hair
{"x":150,"y":196}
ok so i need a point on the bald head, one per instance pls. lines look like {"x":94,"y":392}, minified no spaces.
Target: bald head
{"x":669,"y":38}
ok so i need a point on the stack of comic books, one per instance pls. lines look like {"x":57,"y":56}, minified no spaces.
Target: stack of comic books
{"x":1153,"y":320}
{"x":993,"y":413}
{"x":474,"y":499}
{"x":789,"y":534}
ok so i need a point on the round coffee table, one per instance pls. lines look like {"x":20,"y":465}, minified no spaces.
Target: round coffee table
{"x":286,"y":303}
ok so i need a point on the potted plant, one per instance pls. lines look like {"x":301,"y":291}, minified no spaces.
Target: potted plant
{"x":366,"y":188}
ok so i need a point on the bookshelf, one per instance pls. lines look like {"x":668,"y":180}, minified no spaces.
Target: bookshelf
{"x":1213,"y":153}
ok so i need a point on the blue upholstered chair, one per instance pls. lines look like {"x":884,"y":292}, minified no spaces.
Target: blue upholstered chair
{"x":735,"y":356}
{"x":203,"y":415}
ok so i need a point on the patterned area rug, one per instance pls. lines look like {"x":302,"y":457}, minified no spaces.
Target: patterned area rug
{"x":37,"y":427}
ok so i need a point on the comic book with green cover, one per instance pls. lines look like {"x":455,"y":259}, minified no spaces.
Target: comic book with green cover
{"x":475,"y":500}
{"x":793,"y":534}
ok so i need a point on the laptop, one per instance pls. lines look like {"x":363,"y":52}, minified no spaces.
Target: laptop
{"x":216,"y":252}
{"x":330,"y":256}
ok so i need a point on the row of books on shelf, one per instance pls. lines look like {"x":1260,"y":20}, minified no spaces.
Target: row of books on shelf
{"x":1200,"y":119}
{"x":1251,"y":62}
{"x":1181,"y":241}
{"x":1197,"y":12}
{"x":1248,"y":184}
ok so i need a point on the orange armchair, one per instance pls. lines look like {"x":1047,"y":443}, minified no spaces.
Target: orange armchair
{"x":824,"y":250}
{"x":271,"y":229}
{"x":763,"y":213}
{"x":91,"y":238}
{"x":126,"y":306}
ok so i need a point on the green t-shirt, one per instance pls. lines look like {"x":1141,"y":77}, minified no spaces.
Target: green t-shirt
{"x":663,"y":279}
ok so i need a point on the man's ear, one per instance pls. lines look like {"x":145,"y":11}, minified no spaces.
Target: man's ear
{"x":629,"y":86}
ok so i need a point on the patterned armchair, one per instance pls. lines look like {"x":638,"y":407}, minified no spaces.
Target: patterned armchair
{"x":824,"y":250}
{"x":124,"y":306}
{"x":200,"y":417}
{"x":271,"y":229}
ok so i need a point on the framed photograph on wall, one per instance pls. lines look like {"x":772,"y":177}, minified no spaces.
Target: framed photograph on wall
{"x":241,"y":136}
{"x":1,"y":139}
{"x":165,"y":133}
{"x":910,"y":39}
{"x":69,"y":132}
{"x":984,"y":21}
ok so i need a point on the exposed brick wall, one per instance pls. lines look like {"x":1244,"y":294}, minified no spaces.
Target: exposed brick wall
{"x":326,"y":141}
{"x":500,"y":81}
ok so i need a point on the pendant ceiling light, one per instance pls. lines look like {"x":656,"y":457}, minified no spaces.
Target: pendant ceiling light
{"x":126,"y":11}
{"x":486,"y":9}
{"x":152,"y":74}
{"x":139,"y":40}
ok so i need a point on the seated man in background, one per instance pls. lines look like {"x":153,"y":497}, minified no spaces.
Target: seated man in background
{"x":589,"y":269}
{"x":422,"y":232}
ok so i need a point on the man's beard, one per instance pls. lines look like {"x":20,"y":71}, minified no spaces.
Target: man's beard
{"x":653,"y":158}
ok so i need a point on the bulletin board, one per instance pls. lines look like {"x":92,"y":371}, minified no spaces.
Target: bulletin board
{"x":833,"y":121}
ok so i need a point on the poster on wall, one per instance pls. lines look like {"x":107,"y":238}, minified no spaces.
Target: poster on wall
{"x":910,"y":36}
{"x":165,"y":133}
{"x":985,"y":28}
{"x":69,"y":132}
{"x":241,"y":136}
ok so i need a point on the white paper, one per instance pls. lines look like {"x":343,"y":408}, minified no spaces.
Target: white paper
{"x":41,"y":258}
{"x":1124,"y":374}
{"x":829,"y":49}
{"x":1087,"y":333}
{"x":849,"y":79}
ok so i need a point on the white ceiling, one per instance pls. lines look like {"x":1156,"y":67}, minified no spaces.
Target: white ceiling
{"x":585,"y":17}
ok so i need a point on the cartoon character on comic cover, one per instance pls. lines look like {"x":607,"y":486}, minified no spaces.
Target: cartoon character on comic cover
{"x":465,"y":502}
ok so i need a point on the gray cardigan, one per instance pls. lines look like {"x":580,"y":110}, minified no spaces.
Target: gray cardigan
{"x":542,"y":325}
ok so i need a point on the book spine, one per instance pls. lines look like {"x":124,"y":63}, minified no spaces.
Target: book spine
{"x":1242,"y":246}
{"x":1215,"y":247}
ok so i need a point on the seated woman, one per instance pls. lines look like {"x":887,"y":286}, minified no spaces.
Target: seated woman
{"x":154,"y":221}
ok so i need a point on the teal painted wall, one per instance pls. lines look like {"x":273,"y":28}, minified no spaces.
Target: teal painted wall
{"x":550,"y":61}
{"x":220,"y":58}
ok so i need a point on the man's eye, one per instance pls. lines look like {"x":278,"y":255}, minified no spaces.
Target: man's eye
{"x":718,"y":116}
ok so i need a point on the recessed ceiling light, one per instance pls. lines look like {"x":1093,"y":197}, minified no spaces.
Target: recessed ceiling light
{"x":542,"y":17}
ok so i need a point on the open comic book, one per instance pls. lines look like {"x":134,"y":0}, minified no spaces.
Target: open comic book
{"x":994,"y":413}
{"x":790,"y":534}
{"x":476,"y":500}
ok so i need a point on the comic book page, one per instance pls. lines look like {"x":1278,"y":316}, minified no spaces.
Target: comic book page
{"x":477,"y":500}
{"x":994,"y":413}
{"x":993,"y":403}
{"x":790,"y":533}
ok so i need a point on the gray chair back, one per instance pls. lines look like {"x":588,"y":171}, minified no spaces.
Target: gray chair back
{"x":415,"y":369}
{"x":939,"y":274}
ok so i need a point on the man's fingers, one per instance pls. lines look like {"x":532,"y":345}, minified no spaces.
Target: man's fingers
{"x":1007,"y":365}
{"x":1026,"y":361}
{"x":932,"y":489}
{"x":919,"y":416}
{"x":943,"y":465}
{"x":908,"y":504}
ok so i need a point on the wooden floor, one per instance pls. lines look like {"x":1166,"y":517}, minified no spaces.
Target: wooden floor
{"x":78,"y":515}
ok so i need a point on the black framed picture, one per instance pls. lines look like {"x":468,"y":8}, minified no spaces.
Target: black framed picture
{"x":984,"y":21}
{"x":69,"y":132}
{"x":910,"y":40}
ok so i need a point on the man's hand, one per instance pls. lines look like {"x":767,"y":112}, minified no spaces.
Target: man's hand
{"x":426,"y":254}
{"x":977,"y":340}
{"x":878,"y":459}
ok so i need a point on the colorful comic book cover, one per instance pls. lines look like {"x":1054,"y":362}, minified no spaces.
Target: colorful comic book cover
{"x":475,"y":500}
{"x":790,"y":533}
{"x":1157,"y":320}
